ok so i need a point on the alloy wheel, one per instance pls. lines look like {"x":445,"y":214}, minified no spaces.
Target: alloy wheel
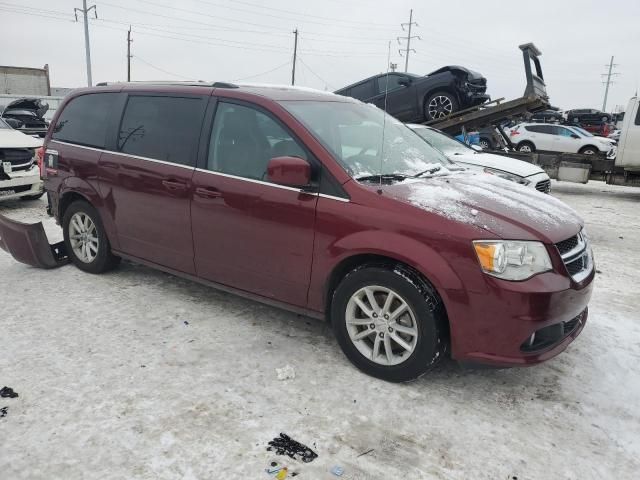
{"x":440,"y":107}
{"x":381,"y":325}
{"x":83,"y":237}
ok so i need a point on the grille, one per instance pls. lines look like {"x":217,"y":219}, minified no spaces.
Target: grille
{"x":567,"y":245}
{"x":544,"y":186}
{"x":572,"y":324}
{"x":576,"y":266}
{"x":19,"y":158}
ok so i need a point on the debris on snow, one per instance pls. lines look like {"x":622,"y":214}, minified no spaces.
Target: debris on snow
{"x":3,"y":411}
{"x":337,"y":470}
{"x":8,"y":392}
{"x":285,"y":445}
{"x":285,"y":373}
{"x":365,"y":453}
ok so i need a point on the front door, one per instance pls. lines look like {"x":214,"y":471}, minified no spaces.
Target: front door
{"x":249,"y":233}
{"x":146,"y":181}
{"x":401,"y":101}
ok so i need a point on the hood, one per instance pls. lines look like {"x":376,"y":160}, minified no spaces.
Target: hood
{"x":471,"y":75}
{"x":31,"y":104}
{"x":506,"y":209}
{"x":10,"y":138}
{"x":506,"y":164}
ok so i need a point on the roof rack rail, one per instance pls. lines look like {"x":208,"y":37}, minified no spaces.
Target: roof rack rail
{"x":194,"y":83}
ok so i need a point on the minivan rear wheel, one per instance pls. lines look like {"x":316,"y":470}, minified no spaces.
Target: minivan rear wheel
{"x":389,"y":322}
{"x":85,"y":239}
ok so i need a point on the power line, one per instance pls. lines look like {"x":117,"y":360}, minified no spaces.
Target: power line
{"x":408,"y":39}
{"x":262,"y":73}
{"x":137,"y":57}
{"x":315,"y":74}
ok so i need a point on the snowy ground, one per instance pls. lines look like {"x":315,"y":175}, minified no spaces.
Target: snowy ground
{"x":114,"y":384}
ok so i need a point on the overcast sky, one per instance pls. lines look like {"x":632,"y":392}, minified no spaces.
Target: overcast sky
{"x":341,"y":41}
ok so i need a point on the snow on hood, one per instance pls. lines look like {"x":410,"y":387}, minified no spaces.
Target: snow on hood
{"x":501,"y":207}
{"x":10,"y":138}
{"x":506,"y":164}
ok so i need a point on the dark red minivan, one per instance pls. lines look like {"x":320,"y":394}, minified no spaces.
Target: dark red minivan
{"x":320,"y":204}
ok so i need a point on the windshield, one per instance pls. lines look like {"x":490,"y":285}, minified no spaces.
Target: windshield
{"x":443,"y":142}
{"x":582,"y":131}
{"x":353,"y":133}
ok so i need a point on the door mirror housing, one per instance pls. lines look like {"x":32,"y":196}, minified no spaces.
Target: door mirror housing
{"x":477,"y":148}
{"x":573,"y":135}
{"x":289,"y":171}
{"x":404,"y":81}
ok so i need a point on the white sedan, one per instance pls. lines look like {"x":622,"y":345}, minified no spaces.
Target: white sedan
{"x":529,"y":137}
{"x":508,"y":168}
{"x":19,"y":172}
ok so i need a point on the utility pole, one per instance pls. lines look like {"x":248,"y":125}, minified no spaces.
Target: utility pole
{"x":129,"y":54}
{"x":608,"y":82}
{"x":87,"y":47}
{"x":408,"y":39}
{"x":295,"y":53}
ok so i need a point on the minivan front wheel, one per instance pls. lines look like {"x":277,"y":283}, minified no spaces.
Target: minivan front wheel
{"x":388,"y":322}
{"x":85,"y":239}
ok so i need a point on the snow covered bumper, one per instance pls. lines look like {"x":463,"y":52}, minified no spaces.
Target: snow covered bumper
{"x":20,"y":183}
{"x":28,"y":243}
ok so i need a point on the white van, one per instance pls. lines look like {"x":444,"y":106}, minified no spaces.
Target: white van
{"x":629,"y":145}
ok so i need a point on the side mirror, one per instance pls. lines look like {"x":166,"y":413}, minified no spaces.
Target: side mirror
{"x":289,"y":171}
{"x":404,"y":81}
{"x":573,"y":135}
{"x":477,"y":148}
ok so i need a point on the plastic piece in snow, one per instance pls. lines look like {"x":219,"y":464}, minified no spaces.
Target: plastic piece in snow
{"x":28,"y":243}
{"x":337,"y":470}
{"x":8,"y":392}
{"x":282,"y":474}
{"x":285,"y":445}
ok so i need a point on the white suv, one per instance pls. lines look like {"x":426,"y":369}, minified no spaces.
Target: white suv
{"x":19,"y":172}
{"x":529,"y":137}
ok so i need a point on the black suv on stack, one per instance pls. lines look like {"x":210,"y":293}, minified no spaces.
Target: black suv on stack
{"x":415,"y":98}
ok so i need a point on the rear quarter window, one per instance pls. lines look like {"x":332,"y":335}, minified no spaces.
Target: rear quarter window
{"x":84,"y":120}
{"x":363,"y":91}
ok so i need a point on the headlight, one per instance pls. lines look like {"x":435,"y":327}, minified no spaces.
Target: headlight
{"x":507,"y":176}
{"x":512,"y":260}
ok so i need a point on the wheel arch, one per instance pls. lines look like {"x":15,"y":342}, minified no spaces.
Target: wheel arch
{"x":584,"y":147}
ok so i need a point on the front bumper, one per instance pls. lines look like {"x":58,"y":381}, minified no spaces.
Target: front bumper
{"x":495,"y":327}
{"x":21,"y":183}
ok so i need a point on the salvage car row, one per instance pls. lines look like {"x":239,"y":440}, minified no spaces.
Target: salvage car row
{"x":322,"y":205}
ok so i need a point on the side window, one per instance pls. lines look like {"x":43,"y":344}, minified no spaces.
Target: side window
{"x":637,"y":122}
{"x":84,"y":120}
{"x":565,"y":132}
{"x":363,"y":91}
{"x":533,"y":128}
{"x":392,"y":81}
{"x":244,"y":139}
{"x":162,"y":128}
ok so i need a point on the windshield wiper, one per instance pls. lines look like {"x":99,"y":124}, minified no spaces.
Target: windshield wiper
{"x":428,"y":171}
{"x":383,"y":177}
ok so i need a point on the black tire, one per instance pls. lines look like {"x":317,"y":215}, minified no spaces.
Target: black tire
{"x":589,"y":150}
{"x":104,"y":260}
{"x":522,"y":146}
{"x":485,"y":143}
{"x":440,"y":106}
{"x":32,"y":197}
{"x":425,"y":304}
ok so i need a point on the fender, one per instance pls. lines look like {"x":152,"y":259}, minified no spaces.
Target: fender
{"x":83,"y":188}
{"x":407,"y":250}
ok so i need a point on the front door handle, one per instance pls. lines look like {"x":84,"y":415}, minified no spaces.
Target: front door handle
{"x":174,"y":186}
{"x":208,"y":192}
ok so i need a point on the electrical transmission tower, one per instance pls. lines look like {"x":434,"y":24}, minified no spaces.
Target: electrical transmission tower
{"x":608,"y":82}
{"x":408,"y":39}
{"x":87,"y":47}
